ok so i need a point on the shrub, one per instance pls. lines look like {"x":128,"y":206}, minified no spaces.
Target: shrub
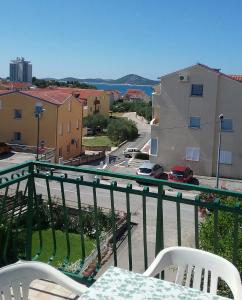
{"x":96,"y":122}
{"x":225,"y":234}
{"x":142,"y":108}
{"x":122,"y":129}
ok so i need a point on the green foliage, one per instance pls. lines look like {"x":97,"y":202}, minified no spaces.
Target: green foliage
{"x":122,"y":129}
{"x":61,"y":249}
{"x":225,"y":234}
{"x":142,"y":108}
{"x":96,"y":122}
{"x":41,"y":83}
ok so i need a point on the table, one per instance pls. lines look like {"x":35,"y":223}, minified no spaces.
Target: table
{"x":121,"y":284}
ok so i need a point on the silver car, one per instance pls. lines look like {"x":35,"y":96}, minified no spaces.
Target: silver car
{"x":150,"y":169}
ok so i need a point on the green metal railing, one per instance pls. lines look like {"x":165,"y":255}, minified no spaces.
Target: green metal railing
{"x":35,"y":196}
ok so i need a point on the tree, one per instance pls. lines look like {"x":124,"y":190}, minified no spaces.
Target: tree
{"x":122,"y":129}
{"x":96,"y":122}
{"x":142,"y":108}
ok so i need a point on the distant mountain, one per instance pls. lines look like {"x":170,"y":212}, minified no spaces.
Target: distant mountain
{"x":135,"y":79}
{"x":128,"y":79}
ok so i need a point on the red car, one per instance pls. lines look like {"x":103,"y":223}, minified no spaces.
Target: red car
{"x":181,"y":174}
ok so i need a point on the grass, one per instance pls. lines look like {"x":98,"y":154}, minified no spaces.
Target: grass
{"x":75,"y":246}
{"x":99,"y":140}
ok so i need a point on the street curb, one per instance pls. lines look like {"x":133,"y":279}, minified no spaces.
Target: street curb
{"x":124,"y":142}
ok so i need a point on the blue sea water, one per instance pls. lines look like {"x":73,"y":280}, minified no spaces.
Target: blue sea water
{"x":124,"y":87}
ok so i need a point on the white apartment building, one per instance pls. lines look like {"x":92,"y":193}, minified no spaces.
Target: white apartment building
{"x":20,"y":70}
{"x":185,"y":125}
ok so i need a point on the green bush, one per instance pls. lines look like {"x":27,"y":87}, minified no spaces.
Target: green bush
{"x":96,"y":122}
{"x":142,"y":108}
{"x":121,"y":129}
{"x":225,"y":234}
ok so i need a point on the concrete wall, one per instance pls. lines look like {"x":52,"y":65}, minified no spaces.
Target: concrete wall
{"x":27,"y":125}
{"x":50,"y":123}
{"x":176,"y":107}
{"x":69,"y":137}
{"x":230,"y":104}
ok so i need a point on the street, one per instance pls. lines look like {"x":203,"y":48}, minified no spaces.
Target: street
{"x":142,"y":139}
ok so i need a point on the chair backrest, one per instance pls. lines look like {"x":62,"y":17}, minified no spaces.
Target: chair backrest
{"x":198,"y":269}
{"x":15,"y":279}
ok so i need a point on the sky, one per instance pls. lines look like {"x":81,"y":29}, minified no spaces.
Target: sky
{"x":110,"y":39}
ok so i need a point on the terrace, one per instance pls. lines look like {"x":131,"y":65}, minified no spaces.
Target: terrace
{"x":86,"y":220}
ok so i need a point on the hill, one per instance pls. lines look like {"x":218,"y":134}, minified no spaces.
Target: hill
{"x":135,"y":79}
{"x":128,"y":79}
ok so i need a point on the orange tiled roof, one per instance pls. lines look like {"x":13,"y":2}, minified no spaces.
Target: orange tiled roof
{"x":135,"y":93}
{"x":236,"y":77}
{"x":54,"y":96}
{"x":15,"y":85}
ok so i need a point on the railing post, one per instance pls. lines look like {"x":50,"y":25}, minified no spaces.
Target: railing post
{"x":159,"y":245}
{"x":30,"y":211}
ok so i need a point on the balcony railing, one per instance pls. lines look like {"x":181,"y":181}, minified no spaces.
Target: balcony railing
{"x":125,"y":224}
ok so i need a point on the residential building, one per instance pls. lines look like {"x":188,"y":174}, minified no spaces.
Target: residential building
{"x":94,"y":101}
{"x":20,"y":70}
{"x":136,"y":95}
{"x":114,"y":96}
{"x":60,"y":123}
{"x":185,"y":125}
{"x":14,"y":86}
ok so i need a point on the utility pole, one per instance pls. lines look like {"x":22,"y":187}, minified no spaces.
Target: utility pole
{"x":221,"y":116}
{"x":38,"y":111}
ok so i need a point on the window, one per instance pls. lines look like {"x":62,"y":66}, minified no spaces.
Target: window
{"x":194,"y":122}
{"x":17,"y":114}
{"x":61,"y":129}
{"x":69,"y":105}
{"x":154,"y":146}
{"x":77,"y":124}
{"x":17,"y":136}
{"x":197,"y":90}
{"x":225,"y":157}
{"x":227,"y":125}
{"x":69,"y":127}
{"x":192,"y":153}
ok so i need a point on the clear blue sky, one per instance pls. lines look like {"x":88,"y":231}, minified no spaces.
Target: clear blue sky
{"x":109,"y":38}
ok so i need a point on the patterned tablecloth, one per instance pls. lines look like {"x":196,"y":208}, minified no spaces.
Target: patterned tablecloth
{"x":121,"y":284}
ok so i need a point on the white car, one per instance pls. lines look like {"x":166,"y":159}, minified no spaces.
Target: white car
{"x":128,"y":152}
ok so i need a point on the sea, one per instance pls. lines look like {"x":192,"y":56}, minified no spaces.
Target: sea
{"x":122,"y":88}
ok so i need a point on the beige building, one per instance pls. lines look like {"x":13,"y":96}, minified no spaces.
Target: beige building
{"x":60,"y":123}
{"x":185,"y":125}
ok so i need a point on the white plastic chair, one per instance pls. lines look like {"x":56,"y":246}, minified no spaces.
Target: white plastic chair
{"x":15,"y":279}
{"x":197,"y":266}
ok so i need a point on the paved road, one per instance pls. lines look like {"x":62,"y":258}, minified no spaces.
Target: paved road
{"x":144,"y":135}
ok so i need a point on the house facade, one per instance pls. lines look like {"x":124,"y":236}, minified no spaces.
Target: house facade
{"x":185,"y":125}
{"x":60,"y":123}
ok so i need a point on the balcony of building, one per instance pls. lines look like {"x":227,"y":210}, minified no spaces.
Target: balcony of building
{"x":82,"y":221}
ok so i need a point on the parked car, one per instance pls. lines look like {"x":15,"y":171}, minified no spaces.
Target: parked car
{"x":4,"y":148}
{"x":129,"y":152}
{"x":182,"y":174}
{"x":151,"y":170}
{"x":90,"y":131}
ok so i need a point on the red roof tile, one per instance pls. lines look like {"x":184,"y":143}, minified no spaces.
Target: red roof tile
{"x":15,"y":85}
{"x":54,"y":96}
{"x":135,"y":93}
{"x":236,"y":77}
